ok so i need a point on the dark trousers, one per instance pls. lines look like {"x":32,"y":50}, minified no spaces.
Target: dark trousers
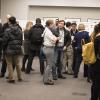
{"x":58,"y":59}
{"x":95,"y":76}
{"x":85,"y":70}
{"x":25,"y":58}
{"x":74,"y":58}
{"x":4,"y":66}
{"x":32,"y":54}
{"x":78,"y":61}
{"x":95,"y":89}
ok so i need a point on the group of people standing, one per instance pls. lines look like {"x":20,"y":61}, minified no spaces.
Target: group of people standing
{"x":58,"y":44}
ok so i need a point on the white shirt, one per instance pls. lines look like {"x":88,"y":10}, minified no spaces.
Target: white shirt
{"x":61,"y":36}
{"x":48,"y":37}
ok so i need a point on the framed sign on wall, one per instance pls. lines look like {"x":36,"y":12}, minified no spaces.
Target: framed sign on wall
{"x":73,"y":20}
{"x":94,"y":21}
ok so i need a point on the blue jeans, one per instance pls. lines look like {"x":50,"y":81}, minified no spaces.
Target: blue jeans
{"x":58,"y":59}
{"x":42,"y":60}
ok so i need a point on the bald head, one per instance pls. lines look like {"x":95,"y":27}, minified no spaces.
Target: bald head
{"x":8,"y":16}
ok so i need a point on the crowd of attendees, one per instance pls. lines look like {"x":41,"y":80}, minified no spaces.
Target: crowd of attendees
{"x":58,"y":47}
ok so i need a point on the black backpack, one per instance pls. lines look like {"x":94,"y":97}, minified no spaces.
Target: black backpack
{"x":36,"y":36}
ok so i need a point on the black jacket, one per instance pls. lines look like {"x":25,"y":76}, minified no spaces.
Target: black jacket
{"x":1,"y":34}
{"x":32,"y":32}
{"x":12,"y":40}
{"x":1,"y":40}
{"x":5,"y":26}
{"x":67,"y":37}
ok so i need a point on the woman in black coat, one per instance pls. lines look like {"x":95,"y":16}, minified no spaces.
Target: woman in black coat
{"x":26,"y":44}
{"x":95,"y":68}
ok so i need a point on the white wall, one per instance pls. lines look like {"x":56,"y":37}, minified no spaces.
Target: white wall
{"x":22,"y":10}
{"x":64,"y":12}
{"x":75,"y":3}
{"x":16,"y":8}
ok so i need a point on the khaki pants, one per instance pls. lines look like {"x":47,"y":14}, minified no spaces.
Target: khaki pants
{"x":16,"y":59}
{"x":68,"y":60}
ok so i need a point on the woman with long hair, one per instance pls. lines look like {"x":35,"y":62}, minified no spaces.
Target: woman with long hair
{"x":26,"y":44}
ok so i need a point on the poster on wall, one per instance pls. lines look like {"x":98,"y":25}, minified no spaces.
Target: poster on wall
{"x":88,"y":27}
{"x":22,"y":23}
{"x":73,"y":20}
{"x":94,"y":21}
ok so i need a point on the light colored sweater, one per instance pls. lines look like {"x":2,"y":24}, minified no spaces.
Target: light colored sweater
{"x":49,"y":38}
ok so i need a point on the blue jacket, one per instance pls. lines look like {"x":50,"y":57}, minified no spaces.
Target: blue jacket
{"x":79,"y":36}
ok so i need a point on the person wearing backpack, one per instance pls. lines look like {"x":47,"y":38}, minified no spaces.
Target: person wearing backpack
{"x":82,"y":34}
{"x":95,"y":68}
{"x":12,"y":42}
{"x":35,"y":42}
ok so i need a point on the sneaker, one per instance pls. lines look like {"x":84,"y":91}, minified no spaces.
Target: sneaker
{"x":49,"y":83}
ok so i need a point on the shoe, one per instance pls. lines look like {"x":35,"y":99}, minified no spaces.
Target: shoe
{"x":75,"y":76}
{"x":27,"y":72}
{"x":1,"y":76}
{"x":55,"y":78}
{"x":65,"y":72}
{"x":61,"y":77}
{"x":7,"y":77}
{"x":32,"y":69}
{"x":88,"y":80}
{"x":49,"y":83}
{"x":23,"y":70}
{"x":20,"y":80}
{"x":11,"y":81}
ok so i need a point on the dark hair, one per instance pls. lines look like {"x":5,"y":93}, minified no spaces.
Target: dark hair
{"x":49,"y":22}
{"x":74,"y":24}
{"x":12,"y":20}
{"x":61,"y":21}
{"x":68,"y":24}
{"x":97,"y":29}
{"x":38,"y":21}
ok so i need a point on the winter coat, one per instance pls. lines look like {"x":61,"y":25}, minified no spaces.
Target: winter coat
{"x":34,"y":46}
{"x":12,"y":40}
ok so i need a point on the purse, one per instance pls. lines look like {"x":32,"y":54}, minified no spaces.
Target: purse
{"x":88,"y":52}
